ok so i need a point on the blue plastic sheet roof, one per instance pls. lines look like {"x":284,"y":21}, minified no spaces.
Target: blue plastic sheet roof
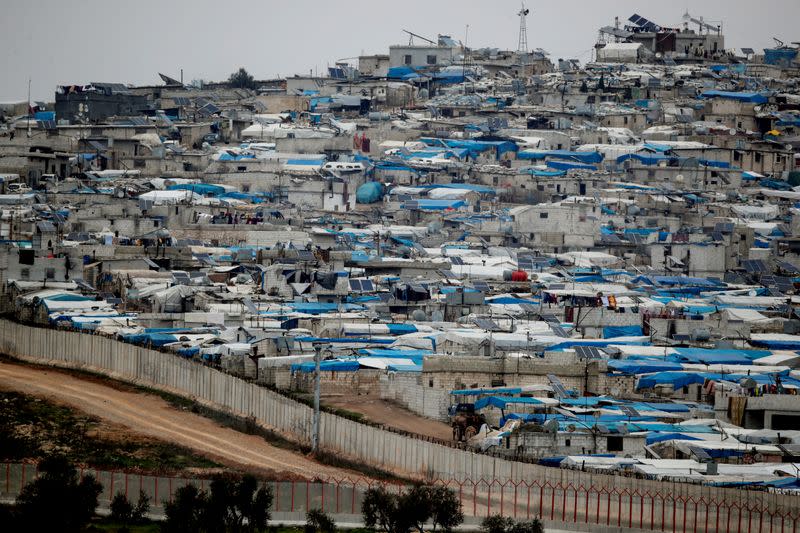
{"x":501,"y":403}
{"x":436,"y":205}
{"x":647,"y":158}
{"x":659,"y":437}
{"x":567,"y":165}
{"x":564,"y":155}
{"x":754,"y":98}
{"x":199,"y":188}
{"x":626,"y":366}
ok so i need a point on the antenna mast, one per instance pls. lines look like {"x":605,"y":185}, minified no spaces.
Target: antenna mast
{"x":523,"y":29}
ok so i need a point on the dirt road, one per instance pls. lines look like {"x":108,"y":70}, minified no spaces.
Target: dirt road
{"x":392,"y":415}
{"x":152,"y":416}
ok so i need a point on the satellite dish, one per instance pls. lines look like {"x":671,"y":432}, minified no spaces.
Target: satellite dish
{"x":679,"y":177}
{"x":732,"y":131}
{"x":437,"y":316}
{"x":551,"y":426}
{"x":571,"y":428}
{"x":419,"y":315}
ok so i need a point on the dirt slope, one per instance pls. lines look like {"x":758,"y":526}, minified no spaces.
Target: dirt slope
{"x":149,"y":415}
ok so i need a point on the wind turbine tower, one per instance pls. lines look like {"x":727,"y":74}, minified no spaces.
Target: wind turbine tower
{"x":523,"y":29}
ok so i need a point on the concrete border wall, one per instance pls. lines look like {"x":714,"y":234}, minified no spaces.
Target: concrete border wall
{"x":399,"y":453}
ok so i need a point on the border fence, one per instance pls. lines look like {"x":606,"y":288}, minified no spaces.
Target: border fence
{"x":591,"y":506}
{"x":485,"y":484}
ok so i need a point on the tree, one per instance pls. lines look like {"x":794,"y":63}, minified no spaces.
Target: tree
{"x":412,"y":509}
{"x":319,"y":522}
{"x":241,"y":79}
{"x":58,"y":500}
{"x":235,"y":506}
{"x":446,"y":509}
{"x":531,"y":526}
{"x":124,"y":512}
{"x":238,"y":506}
{"x":185,"y":513}
{"x":496,"y":524}
{"x":501,"y":524}
{"x":121,"y":509}
{"x":379,"y":509}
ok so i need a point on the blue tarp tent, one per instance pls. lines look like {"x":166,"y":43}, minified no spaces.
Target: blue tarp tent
{"x":564,"y":155}
{"x":434,"y":205}
{"x":753,"y":98}
{"x":659,"y":437}
{"x":609,"y":332}
{"x":198,"y":188}
{"x":566,"y":165}
{"x":369,"y":193}
{"x":628,"y":366}
{"x":647,"y":158}
{"x":501,"y":402}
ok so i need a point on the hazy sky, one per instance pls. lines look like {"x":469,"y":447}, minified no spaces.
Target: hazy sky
{"x":57,"y":42}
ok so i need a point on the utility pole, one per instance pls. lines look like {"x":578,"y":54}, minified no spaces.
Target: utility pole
{"x":315,"y":422}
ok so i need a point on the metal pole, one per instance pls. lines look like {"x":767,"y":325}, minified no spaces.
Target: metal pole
{"x":315,"y":423}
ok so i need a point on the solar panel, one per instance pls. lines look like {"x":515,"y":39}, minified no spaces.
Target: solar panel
{"x":628,"y":410}
{"x":724,"y":227}
{"x":248,"y":303}
{"x":784,"y":284}
{"x":361,"y":285}
{"x":717,"y":236}
{"x":83,"y":285}
{"x":181,"y":100}
{"x":611,"y":239}
{"x":748,"y":51}
{"x":448,"y":274}
{"x":732,"y":277}
{"x":305,"y":255}
{"x":700,"y":453}
{"x":588,"y":352}
{"x":205,"y":259}
{"x":487,"y":324}
{"x":556,"y":286}
{"x":46,"y":124}
{"x":481,"y":286}
{"x":413,"y":204}
{"x":755,"y":266}
{"x":384,"y":296}
{"x":529,"y":308}
{"x":768,"y":281}
{"x":558,"y":387}
{"x":788,"y":267}
{"x":181,"y":278}
{"x":456,"y":260}
{"x":643,"y":23}
{"x":209,"y":109}
{"x":140,"y":121}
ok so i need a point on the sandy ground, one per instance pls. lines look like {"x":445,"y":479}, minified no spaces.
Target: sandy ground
{"x":392,"y":415}
{"x":151,"y":416}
